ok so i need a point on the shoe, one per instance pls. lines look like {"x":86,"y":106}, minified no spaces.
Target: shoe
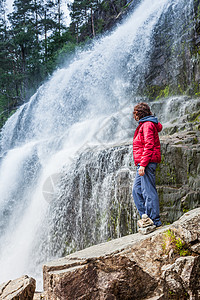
{"x":145,"y":221}
{"x":146,"y":230}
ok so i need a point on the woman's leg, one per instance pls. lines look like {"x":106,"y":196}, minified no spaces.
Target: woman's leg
{"x":149,"y":192}
{"x":137,"y":195}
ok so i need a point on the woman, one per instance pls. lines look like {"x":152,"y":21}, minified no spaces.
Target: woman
{"x":146,"y":154}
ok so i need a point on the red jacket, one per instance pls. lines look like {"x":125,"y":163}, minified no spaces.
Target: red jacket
{"x":146,"y":143}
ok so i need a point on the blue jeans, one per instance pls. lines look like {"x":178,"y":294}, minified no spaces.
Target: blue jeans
{"x":145,"y":194}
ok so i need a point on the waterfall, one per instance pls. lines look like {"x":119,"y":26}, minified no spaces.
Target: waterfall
{"x":86,"y":105}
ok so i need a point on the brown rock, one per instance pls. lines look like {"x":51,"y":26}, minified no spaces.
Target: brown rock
{"x":188,"y":226}
{"x":132,"y":267}
{"x":22,"y":288}
{"x":39,"y":296}
{"x":182,"y":278}
{"x":114,"y":277}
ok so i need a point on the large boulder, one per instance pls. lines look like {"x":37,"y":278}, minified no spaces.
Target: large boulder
{"x":22,"y":288}
{"x":132,"y":267}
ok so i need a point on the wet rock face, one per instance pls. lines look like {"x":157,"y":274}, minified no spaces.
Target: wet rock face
{"x":178,"y":178}
{"x":19,"y":289}
{"x":174,"y":66}
{"x":132,"y":267}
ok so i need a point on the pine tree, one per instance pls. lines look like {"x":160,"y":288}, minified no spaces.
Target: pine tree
{"x":8,"y":93}
{"x":92,"y":5}
{"x":23,"y":37}
{"x":82,"y":16}
{"x":76,"y":14}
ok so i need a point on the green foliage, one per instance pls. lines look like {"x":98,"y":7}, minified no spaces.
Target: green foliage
{"x":163,"y":93}
{"x":156,"y":92}
{"x":173,"y":244}
{"x":194,"y":117}
{"x":185,"y":210}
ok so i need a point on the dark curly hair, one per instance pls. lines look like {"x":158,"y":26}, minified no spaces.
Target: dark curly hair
{"x":142,"y":110}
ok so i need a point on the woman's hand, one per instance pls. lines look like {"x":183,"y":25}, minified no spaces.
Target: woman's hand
{"x":141,"y":171}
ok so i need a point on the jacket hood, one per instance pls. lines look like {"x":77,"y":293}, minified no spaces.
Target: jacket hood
{"x":149,"y":118}
{"x":152,"y":119}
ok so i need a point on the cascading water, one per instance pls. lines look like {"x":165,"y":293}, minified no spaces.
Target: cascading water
{"x":86,"y":104}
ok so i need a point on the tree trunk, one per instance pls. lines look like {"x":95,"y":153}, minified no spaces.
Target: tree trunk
{"x":92,"y":22}
{"x":59,"y":17}
{"x":36,"y":22}
{"x":45,"y":37}
{"x":23,"y":71}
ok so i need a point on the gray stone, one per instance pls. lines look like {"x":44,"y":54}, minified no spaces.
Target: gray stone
{"x":182,"y":277}
{"x":128,"y":268}
{"x":22,"y":288}
{"x":196,"y":248}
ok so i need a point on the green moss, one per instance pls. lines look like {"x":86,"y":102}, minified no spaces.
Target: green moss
{"x":127,"y":5}
{"x":195,"y":140}
{"x":69,"y":248}
{"x":169,"y":174}
{"x":194,"y":117}
{"x":159,"y":170}
{"x":113,"y":220}
{"x":172,"y":243}
{"x":164,"y":93}
{"x":185,"y":210}
{"x":156,"y":92}
{"x":171,"y":293}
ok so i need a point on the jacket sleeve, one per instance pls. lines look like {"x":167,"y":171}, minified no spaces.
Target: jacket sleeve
{"x":149,"y":141}
{"x":159,"y":127}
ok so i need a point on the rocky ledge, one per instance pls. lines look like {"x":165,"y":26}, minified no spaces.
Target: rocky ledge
{"x":22,"y":288}
{"x":162,"y":265}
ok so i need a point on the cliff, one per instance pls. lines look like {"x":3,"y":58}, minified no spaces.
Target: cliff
{"x":164,"y":264}
{"x":174,"y":63}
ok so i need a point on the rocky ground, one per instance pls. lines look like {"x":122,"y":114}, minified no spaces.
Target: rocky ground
{"x":162,"y":265}
{"x":22,"y":288}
